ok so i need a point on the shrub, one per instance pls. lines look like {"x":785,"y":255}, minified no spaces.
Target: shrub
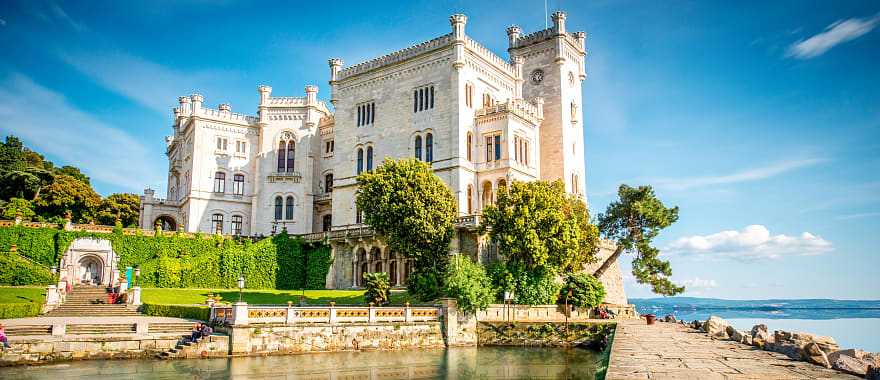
{"x":15,"y":270}
{"x":530,"y":287}
{"x":586,"y":290}
{"x":202,"y":313}
{"x":468,"y":283}
{"x":424,"y":285}
{"x":19,"y":310}
{"x":378,"y":286}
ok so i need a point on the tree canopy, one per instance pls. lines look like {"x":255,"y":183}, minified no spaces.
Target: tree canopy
{"x":415,"y":212}
{"x":122,"y":207}
{"x":633,"y":221}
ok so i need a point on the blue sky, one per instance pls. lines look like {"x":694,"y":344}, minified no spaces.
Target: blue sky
{"x":761,"y":120}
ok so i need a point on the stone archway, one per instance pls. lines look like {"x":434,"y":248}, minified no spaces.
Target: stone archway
{"x":166,"y":222}
{"x":89,"y":270}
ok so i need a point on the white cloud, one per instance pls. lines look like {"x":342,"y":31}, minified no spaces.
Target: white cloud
{"x":859,"y":216}
{"x":754,"y":242}
{"x":747,"y":175}
{"x":836,"y":33}
{"x":2,"y":22}
{"x":48,"y":123}
{"x":147,"y":83}
{"x":60,"y":14}
{"x":699,"y":283}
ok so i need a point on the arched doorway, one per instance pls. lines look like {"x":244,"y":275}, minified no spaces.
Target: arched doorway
{"x":90,"y":270}
{"x":166,"y":222}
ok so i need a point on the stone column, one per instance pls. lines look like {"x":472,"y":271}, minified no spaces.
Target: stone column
{"x":240,"y":314}
{"x":52,"y":297}
{"x":450,"y":320}
{"x":135,"y":298}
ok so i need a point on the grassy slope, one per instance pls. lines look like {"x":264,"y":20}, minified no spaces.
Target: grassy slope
{"x":22,"y":294}
{"x":168,"y":296}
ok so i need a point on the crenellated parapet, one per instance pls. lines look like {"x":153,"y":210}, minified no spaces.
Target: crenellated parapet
{"x":395,"y":57}
{"x":532,"y":113}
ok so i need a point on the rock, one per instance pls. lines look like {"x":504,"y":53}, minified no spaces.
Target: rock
{"x":669,"y":318}
{"x":739,"y":336}
{"x":813,"y":353}
{"x":851,"y":352}
{"x":716,"y":327}
{"x":849,"y":364}
{"x":760,"y":337}
{"x":873,"y":373}
{"x":697,"y":324}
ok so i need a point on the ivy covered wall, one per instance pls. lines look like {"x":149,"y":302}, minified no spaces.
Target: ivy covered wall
{"x":176,"y":261}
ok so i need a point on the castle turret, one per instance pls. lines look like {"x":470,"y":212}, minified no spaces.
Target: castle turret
{"x":197,"y":101}
{"x":311,"y":95}
{"x":558,"y":18}
{"x":518,"y":74}
{"x":513,"y":34}
{"x":184,"y":105}
{"x":458,"y":21}
{"x":335,"y":66}
{"x":265,"y":92}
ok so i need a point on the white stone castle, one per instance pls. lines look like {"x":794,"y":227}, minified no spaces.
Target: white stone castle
{"x":481,"y":122}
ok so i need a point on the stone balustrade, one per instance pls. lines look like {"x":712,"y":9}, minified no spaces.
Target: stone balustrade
{"x":241,"y":313}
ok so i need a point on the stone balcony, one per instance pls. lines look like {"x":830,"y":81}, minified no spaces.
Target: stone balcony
{"x":293,"y":177}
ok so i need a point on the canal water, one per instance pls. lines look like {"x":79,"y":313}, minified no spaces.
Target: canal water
{"x":452,"y":363}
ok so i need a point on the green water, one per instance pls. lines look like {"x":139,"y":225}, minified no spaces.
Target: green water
{"x":453,"y":363}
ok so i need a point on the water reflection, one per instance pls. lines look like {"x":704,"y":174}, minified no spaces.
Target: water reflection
{"x":454,"y":363}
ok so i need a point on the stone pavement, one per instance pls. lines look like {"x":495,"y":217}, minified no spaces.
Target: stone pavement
{"x":674,"y":351}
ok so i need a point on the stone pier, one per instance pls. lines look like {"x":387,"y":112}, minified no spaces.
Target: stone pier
{"x":674,"y":351}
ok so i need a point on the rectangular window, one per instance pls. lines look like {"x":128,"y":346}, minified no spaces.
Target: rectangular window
{"x":238,"y":184}
{"x":221,"y":143}
{"x":219,"y":182}
{"x":469,"y":95}
{"x":497,"y":147}
{"x":328,"y":146}
{"x":217,"y":223}
{"x":366,"y":114}
{"x":488,"y":148}
{"x":240,"y":147}
{"x":423,"y":98}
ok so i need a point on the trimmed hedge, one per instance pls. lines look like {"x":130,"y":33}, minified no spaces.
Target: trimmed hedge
{"x":19,"y":310}
{"x":178,"y":261}
{"x":202,"y":313}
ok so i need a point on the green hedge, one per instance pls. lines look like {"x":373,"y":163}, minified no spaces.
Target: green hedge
{"x":15,"y":270}
{"x":178,"y":261}
{"x":202,"y":313}
{"x":19,"y":310}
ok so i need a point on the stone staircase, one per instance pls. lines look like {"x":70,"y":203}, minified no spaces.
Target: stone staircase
{"x":90,"y":301}
{"x":216,"y":345}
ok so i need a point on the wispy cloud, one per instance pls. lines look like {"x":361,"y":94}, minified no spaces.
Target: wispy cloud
{"x":2,"y":22}
{"x":839,"y":32}
{"x":48,"y":123}
{"x":748,"y":175}
{"x":144,"y":82}
{"x":859,"y":215}
{"x":50,"y":12}
{"x":754,"y":242}
{"x":61,"y":15}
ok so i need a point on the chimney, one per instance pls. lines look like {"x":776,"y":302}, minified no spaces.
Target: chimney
{"x":513,"y":34}
{"x":558,"y":22}
{"x":311,"y":95}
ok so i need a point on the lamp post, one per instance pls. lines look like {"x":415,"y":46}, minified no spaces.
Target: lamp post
{"x":240,"y":286}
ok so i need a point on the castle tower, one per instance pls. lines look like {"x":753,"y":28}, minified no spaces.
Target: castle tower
{"x":553,"y":69}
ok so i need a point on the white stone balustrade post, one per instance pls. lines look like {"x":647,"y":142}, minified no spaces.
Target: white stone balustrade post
{"x":135,"y":298}
{"x":123,"y":287}
{"x":240,"y":314}
{"x":289,"y":315}
{"x":52,"y":297}
{"x":142,"y":328}
{"x":407,"y":314}
{"x":332,"y":313}
{"x":371,"y":315}
{"x":59,"y":329}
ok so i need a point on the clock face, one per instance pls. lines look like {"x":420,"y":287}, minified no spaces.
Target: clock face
{"x":537,"y":76}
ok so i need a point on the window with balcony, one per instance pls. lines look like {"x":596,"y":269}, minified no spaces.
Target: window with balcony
{"x":219,"y":182}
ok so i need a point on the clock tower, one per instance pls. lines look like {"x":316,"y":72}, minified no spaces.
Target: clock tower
{"x":553,"y":63}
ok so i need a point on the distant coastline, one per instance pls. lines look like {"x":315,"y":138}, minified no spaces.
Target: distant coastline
{"x":700,"y":308}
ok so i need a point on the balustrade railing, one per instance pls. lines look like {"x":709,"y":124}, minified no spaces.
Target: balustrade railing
{"x":292,"y":315}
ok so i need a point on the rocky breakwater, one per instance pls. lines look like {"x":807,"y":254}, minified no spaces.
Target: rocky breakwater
{"x":820,"y":350}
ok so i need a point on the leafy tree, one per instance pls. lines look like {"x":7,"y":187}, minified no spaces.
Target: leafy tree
{"x":633,"y":221}
{"x":17,"y":205}
{"x":586,"y":291}
{"x":467,"y":282}
{"x":12,"y":155}
{"x":73,"y":172}
{"x":378,"y":288}
{"x":529,"y":286}
{"x":537,"y":225}
{"x":121,"y":207}
{"x":19,"y":184}
{"x":414,"y":211}
{"x":68,"y":194}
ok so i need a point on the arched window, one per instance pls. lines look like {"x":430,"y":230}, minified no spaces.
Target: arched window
{"x":502,"y":185}
{"x":279,"y":206}
{"x":282,"y":146}
{"x":288,"y":212}
{"x":238,"y":184}
{"x":429,"y":147}
{"x":392,"y":273}
{"x":487,"y":193}
{"x":369,"y":158}
{"x":417,"y":147}
{"x":291,"y":154}
{"x":360,"y":161}
{"x":217,"y":223}
{"x":470,"y":146}
{"x":219,"y":182}
{"x":358,"y":217}
{"x":328,"y":183}
{"x":236,"y":224}
{"x":470,"y":199}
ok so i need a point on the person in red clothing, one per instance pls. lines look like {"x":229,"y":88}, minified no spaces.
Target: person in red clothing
{"x":3,"y":337}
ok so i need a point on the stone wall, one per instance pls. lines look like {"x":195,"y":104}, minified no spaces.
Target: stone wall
{"x":279,"y":339}
{"x":612,"y":279}
{"x":31,"y":350}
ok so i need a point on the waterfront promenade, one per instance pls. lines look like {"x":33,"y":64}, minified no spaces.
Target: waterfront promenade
{"x":675,"y":351}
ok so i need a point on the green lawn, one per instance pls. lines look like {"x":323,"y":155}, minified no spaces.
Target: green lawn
{"x":171,"y":296}
{"x":22,"y":294}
